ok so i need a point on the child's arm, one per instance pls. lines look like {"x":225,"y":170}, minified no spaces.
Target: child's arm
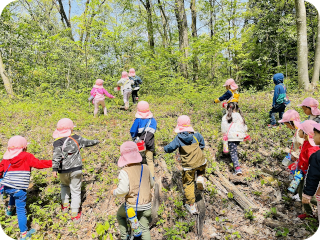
{"x":39,"y":164}
{"x":83,"y":142}
{"x":275,"y":95}
{"x":134,"y":128}
{"x":172,"y":146}
{"x":57,"y":158}
{"x":138,"y":79}
{"x":92,"y":91}
{"x":312,"y":177}
{"x":225,"y":96}
{"x":121,"y":81}
{"x":1,"y":168}
{"x":200,"y":140}
{"x":108,"y":94}
{"x":123,"y":186}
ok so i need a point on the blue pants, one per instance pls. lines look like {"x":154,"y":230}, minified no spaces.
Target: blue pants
{"x":18,"y":198}
{"x":277,"y":108}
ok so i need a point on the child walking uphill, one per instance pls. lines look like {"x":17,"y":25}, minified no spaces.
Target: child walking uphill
{"x":68,"y":163}
{"x":190,"y":145}
{"x":234,"y":128}
{"x":136,"y":86}
{"x":312,"y":182}
{"x":231,"y":95}
{"x":288,"y":119}
{"x":98,"y":93}
{"x":126,"y":88}
{"x":310,"y":108}
{"x":135,"y":184}
{"x":308,"y":148}
{"x":15,"y":168}
{"x":144,"y":127}
{"x":280,"y":100}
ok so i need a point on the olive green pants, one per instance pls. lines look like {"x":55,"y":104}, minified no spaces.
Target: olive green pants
{"x":188,"y":178}
{"x":144,"y":218}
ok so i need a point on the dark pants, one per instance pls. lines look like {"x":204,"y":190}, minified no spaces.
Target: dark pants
{"x":234,"y":153}
{"x":135,"y":95}
{"x":277,"y":108}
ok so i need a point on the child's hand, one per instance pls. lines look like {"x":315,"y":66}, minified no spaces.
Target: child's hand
{"x":305,"y":200}
{"x":55,"y":174}
{"x":293,"y":159}
{"x":114,"y":96}
{"x":114,"y":188}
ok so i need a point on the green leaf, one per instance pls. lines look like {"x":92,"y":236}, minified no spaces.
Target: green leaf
{"x":100,"y":229}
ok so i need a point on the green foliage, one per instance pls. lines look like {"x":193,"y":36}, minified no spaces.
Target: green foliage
{"x":248,"y":214}
{"x":281,"y":232}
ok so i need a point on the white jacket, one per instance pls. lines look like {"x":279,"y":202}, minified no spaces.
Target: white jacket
{"x":237,"y":131}
{"x":125,"y":84}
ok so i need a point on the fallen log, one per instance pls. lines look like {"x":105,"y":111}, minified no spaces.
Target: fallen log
{"x":222,"y":191}
{"x":275,"y":224}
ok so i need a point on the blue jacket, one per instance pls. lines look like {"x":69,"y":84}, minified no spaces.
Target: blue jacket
{"x":139,"y":124}
{"x":137,"y":81}
{"x":279,"y":90}
{"x":183,"y":139}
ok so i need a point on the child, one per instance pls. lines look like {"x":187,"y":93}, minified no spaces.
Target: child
{"x":136,"y":86}
{"x":15,"y":168}
{"x":280,"y":100}
{"x":288,"y":119}
{"x":144,"y":127}
{"x":308,"y":148}
{"x":190,"y":144}
{"x":98,"y":93}
{"x":126,"y":89}
{"x":67,"y":161}
{"x":135,"y":184}
{"x":310,"y":108}
{"x":234,"y":127}
{"x":231,"y":95}
{"x":313,"y":176}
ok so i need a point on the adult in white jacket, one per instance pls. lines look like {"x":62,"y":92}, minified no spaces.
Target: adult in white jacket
{"x":234,"y":127}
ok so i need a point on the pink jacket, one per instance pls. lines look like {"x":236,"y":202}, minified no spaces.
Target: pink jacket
{"x":98,"y":94}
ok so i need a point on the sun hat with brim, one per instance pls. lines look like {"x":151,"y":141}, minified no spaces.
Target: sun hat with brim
{"x":99,"y":83}
{"x":230,"y":82}
{"x":316,"y":126}
{"x":313,"y":104}
{"x":290,"y":115}
{"x":307,"y":127}
{"x":16,"y":145}
{"x":132,"y":72}
{"x":129,"y":154}
{"x":143,"y":110}
{"x":124,"y":74}
{"x":64,"y":127}
{"x":183,"y":124}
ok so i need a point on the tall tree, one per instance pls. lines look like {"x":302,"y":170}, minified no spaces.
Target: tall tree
{"x":194,"y":36}
{"x":316,"y":65}
{"x":147,"y":5}
{"x":6,"y":81}
{"x":181,"y":16}
{"x":302,"y":45}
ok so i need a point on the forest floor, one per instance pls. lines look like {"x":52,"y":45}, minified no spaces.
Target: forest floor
{"x":264,"y":182}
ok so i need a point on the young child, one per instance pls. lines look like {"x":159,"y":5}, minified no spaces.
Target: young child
{"x":234,"y":127}
{"x":98,"y":93}
{"x":288,"y":119}
{"x":67,"y":162}
{"x":136,"y":86}
{"x":310,"y":108}
{"x":126,"y":88}
{"x":144,"y":127}
{"x":135,"y":184}
{"x":280,"y":100}
{"x":15,"y":168}
{"x":313,"y":176}
{"x":190,"y":145}
{"x":308,"y":148}
{"x":231,"y":95}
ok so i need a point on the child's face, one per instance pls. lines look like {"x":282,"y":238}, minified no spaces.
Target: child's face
{"x":306,"y":110}
{"x":316,"y":138}
{"x":289,"y":126}
{"x":227,"y":87}
{"x":301,"y":133}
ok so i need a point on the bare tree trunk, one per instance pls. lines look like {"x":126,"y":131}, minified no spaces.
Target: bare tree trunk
{"x":303,"y":76}
{"x":164,"y":24}
{"x":316,"y":65}
{"x":194,"y":36}
{"x":6,"y":81}
{"x":180,"y":13}
{"x":148,"y":7}
{"x":64,"y":17}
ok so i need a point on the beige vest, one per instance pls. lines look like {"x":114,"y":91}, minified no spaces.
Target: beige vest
{"x":134,"y":173}
{"x":191,"y":156}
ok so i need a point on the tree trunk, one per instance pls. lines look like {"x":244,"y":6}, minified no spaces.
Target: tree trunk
{"x":64,"y":17}
{"x":194,"y":36}
{"x":303,"y":77}
{"x":180,"y":13}
{"x":148,"y":7}
{"x":164,"y":24}
{"x":6,"y":80}
{"x":316,"y":65}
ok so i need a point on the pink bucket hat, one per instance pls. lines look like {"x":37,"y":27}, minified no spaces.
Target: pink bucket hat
{"x":313,"y":104}
{"x":307,"y":127}
{"x":64,"y":127}
{"x":129,"y":154}
{"x":143,"y":110}
{"x":132,"y":72}
{"x":290,"y":115}
{"x":316,"y":126}
{"x":124,"y":74}
{"x":183,"y":124}
{"x":230,"y":82}
{"x":16,"y":145}
{"x":99,"y":83}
